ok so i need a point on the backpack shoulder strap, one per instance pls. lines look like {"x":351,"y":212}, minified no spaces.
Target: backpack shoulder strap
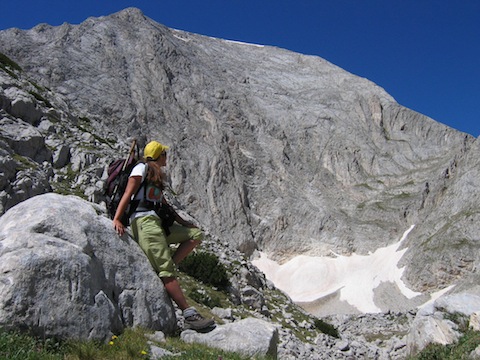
{"x":144,"y":183}
{"x":134,"y":203}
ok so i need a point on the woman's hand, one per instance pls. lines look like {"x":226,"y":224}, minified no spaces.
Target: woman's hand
{"x":118,"y":226}
{"x":183,"y":222}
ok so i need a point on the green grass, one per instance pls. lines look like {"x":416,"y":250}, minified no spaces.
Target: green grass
{"x":7,"y":62}
{"x":200,"y":352}
{"x":23,"y":162}
{"x":16,"y":346}
{"x":132,"y":344}
{"x":203,"y":296}
{"x":9,"y":66}
{"x":40,"y":98}
{"x":66,"y":186}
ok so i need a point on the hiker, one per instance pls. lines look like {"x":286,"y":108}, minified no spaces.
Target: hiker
{"x":145,"y":189}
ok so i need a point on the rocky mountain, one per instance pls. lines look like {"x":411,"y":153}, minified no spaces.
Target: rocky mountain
{"x":65,"y":273}
{"x":271,"y":150}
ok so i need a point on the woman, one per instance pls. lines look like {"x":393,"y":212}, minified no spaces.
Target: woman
{"x":145,"y":187}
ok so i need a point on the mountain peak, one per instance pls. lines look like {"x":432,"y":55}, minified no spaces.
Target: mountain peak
{"x":129,"y":14}
{"x":272,"y":150}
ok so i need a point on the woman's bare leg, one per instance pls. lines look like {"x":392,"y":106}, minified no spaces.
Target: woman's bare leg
{"x":183,"y":250}
{"x":175,"y":292}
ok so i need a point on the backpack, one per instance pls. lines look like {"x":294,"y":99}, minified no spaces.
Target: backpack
{"x":118,"y":173}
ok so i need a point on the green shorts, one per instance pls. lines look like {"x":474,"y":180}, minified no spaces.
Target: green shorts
{"x":149,"y":234}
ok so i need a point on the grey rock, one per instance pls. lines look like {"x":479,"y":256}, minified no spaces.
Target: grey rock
{"x":474,"y":321}
{"x":81,"y":160}
{"x":23,"y":105}
{"x":343,"y":345}
{"x":250,"y":337}
{"x":223,"y":313}
{"x":155,"y":351}
{"x":65,"y":273}
{"x":7,"y":170}
{"x":46,"y":126}
{"x":459,"y":303}
{"x":252,"y":297}
{"x":20,"y":183}
{"x":431,"y":325}
{"x":25,"y":140}
{"x":61,"y":156}
{"x":475,"y":354}
{"x":431,"y":329}
{"x":158,"y":353}
{"x":157,"y":336}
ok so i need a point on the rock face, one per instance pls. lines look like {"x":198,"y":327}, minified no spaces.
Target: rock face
{"x":270,"y":150}
{"x":64,"y":272}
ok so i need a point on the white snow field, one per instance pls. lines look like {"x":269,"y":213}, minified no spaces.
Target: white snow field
{"x":307,"y":278}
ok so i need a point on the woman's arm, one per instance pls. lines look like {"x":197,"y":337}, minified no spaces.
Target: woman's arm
{"x":134,"y":182}
{"x":183,"y":222}
{"x":178,"y":218}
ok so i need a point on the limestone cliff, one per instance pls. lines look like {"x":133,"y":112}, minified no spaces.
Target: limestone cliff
{"x":270,"y":149}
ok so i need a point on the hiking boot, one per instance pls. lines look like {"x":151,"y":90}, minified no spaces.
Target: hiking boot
{"x":198,"y":322}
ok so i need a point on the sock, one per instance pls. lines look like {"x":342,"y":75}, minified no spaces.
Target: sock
{"x":189,"y":312}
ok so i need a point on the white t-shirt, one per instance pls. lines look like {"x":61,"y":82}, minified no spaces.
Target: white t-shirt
{"x":152,"y":193}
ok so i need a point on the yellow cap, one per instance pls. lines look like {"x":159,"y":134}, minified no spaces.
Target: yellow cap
{"x":153,"y":150}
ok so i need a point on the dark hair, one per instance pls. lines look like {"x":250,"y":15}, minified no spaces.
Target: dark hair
{"x":155,"y":174}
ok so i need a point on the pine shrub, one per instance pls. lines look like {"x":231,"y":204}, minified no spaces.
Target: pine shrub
{"x":206,"y":268}
{"x":326,"y":328}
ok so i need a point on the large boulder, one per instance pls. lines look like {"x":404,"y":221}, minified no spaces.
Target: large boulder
{"x":249,"y":337}
{"x":22,"y":105}
{"x":433,"y":322}
{"x":64,"y":272}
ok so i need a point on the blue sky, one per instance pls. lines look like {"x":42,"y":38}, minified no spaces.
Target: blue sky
{"x":425,"y":53}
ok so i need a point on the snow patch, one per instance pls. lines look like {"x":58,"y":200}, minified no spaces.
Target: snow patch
{"x":307,"y":278}
{"x":244,"y":43}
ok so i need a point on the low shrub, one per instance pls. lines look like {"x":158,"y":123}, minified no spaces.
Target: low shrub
{"x":206,"y":268}
{"x":326,"y":328}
